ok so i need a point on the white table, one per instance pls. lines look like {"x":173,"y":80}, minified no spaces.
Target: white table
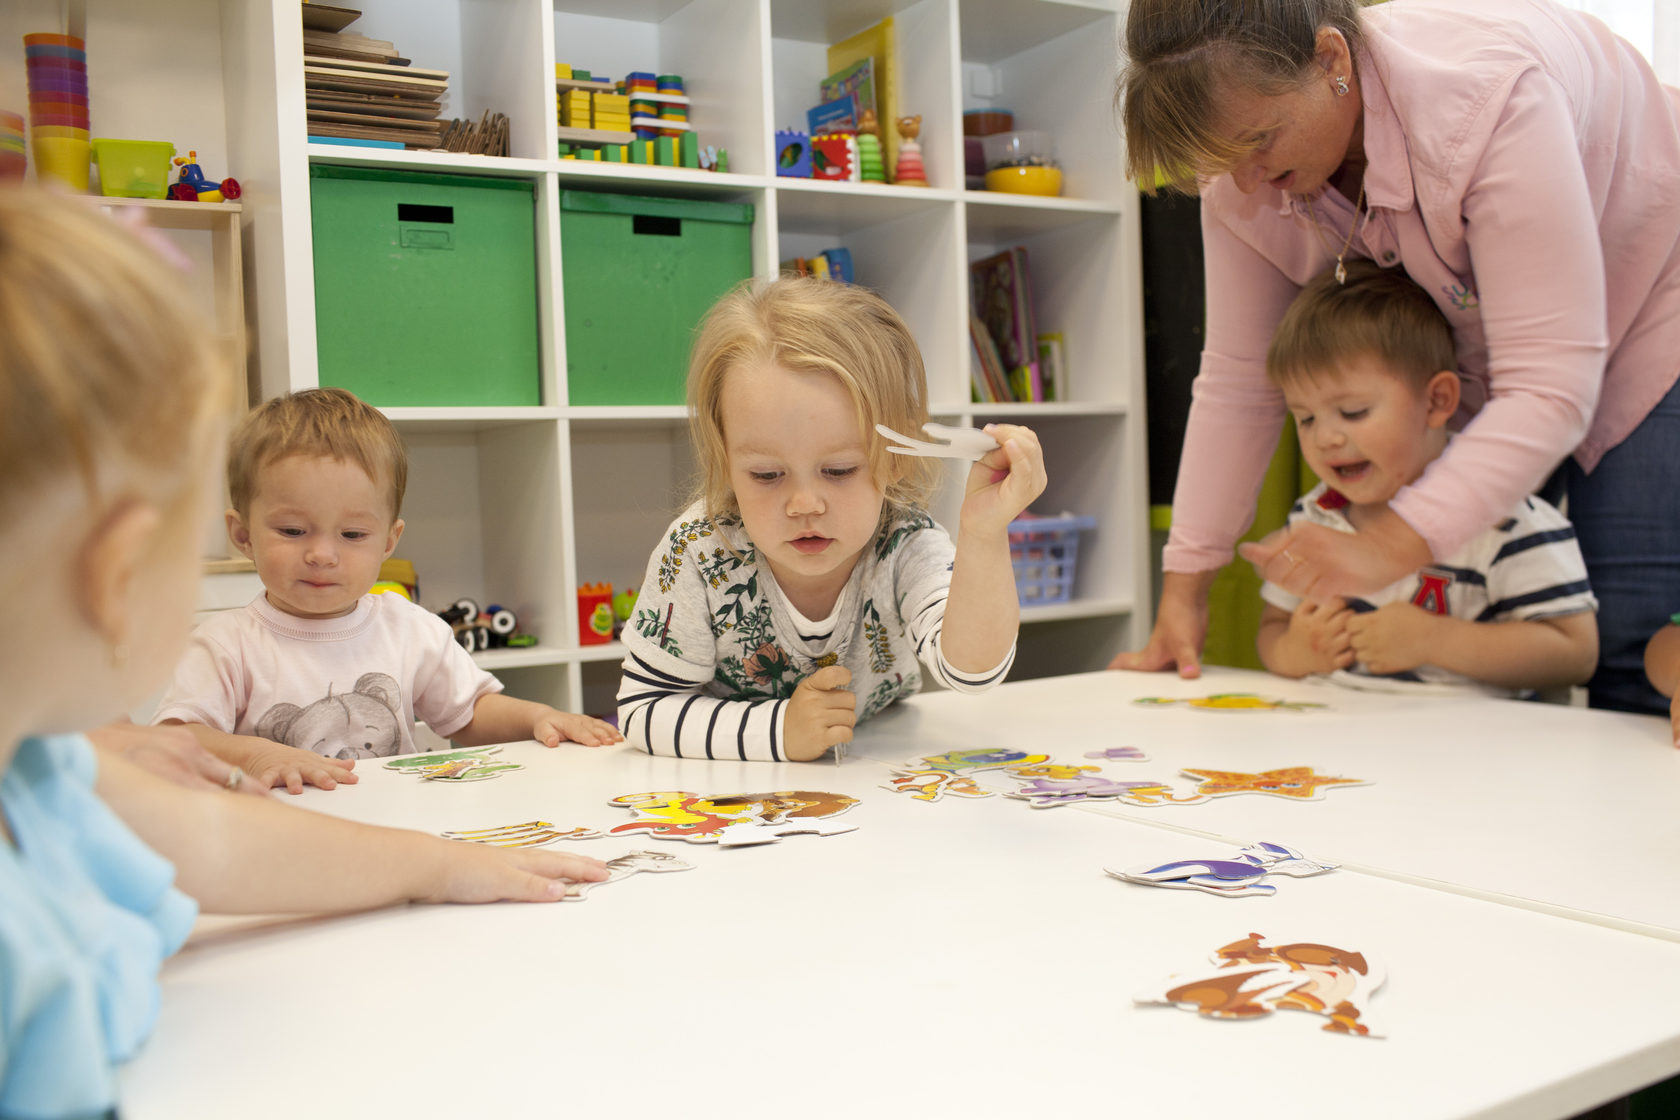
{"x":959,"y":958}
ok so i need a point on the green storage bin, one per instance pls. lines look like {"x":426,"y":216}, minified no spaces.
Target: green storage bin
{"x":426,"y":287}
{"x":639,"y":273}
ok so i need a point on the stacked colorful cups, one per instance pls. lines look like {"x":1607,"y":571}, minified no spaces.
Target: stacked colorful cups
{"x":12,"y":160}
{"x":58,"y":107}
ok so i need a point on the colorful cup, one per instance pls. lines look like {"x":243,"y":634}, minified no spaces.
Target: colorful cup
{"x":63,"y":160}
{"x":53,"y":39}
{"x":55,"y":85}
{"x":63,"y":120}
{"x":58,"y":131}
{"x":41,"y":95}
{"x":52,"y":50}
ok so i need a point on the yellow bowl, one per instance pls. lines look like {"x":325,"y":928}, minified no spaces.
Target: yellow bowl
{"x":62,"y":159}
{"x":1025,"y":180}
{"x":58,"y":131}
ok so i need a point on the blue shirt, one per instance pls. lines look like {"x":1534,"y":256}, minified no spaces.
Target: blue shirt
{"x":87,"y":914}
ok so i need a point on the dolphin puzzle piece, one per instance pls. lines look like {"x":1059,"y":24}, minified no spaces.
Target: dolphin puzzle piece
{"x":1231,"y":702}
{"x":1233,"y":877}
{"x":763,"y":817}
{"x":530,"y":834}
{"x":1254,"y":979}
{"x":628,"y":864}
{"x":470,"y":764}
{"x":932,"y":777}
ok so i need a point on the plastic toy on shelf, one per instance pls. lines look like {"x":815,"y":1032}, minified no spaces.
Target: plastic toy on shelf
{"x":494,"y":627}
{"x":595,"y":614}
{"x":793,"y":154}
{"x":192,"y":186}
{"x":871,"y":166}
{"x":909,"y":171}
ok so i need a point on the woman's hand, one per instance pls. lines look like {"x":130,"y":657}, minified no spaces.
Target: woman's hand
{"x":1320,"y":563}
{"x":1180,"y":627}
{"x":172,"y":753}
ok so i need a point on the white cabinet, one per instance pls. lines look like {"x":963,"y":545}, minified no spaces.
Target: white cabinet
{"x":520,"y":505}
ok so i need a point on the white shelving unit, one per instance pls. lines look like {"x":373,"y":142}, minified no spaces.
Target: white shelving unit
{"x":521,"y":505}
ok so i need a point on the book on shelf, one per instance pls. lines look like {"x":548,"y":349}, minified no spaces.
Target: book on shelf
{"x":1052,"y":365}
{"x":839,"y":115}
{"x":877,"y":46}
{"x":1000,"y":293}
{"x":855,"y":81}
{"x":357,"y":87}
{"x":989,"y":381}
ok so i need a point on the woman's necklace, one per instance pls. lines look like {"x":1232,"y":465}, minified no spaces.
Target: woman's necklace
{"x":1358,"y":203}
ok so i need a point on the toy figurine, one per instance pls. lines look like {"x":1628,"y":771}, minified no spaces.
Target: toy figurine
{"x":909,"y":172}
{"x":192,"y":186}
{"x":492,"y":628}
{"x":871,"y":168}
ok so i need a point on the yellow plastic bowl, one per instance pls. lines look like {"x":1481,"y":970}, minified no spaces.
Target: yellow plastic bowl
{"x":133,"y":168}
{"x":1025,"y":180}
{"x":58,"y":132}
{"x":61,"y":159}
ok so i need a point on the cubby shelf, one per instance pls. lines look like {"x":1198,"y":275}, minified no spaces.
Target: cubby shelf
{"x":520,"y":505}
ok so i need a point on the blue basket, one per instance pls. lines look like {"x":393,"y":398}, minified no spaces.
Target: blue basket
{"x":1045,"y":554}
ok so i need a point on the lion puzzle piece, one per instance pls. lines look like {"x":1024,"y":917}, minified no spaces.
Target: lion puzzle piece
{"x":764,"y":817}
{"x":1229,"y":878}
{"x":1298,"y":782}
{"x":628,"y":864}
{"x":932,"y":777}
{"x":1231,"y":702}
{"x":1254,"y":979}
{"x":470,"y":764}
{"x":530,"y":834}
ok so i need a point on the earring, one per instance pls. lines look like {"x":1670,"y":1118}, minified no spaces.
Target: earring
{"x":119,"y":653}
{"x":1341,"y":86}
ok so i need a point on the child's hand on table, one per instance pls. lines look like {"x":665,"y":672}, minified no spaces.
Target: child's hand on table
{"x":485,"y":873}
{"x":554,"y":727}
{"x":1393,"y":638}
{"x":1003,"y":482}
{"x":268,"y":764}
{"x":1320,"y":632}
{"x":820,"y":715}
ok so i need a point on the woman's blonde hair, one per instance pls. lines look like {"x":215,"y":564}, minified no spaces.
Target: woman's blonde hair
{"x":1378,"y":312}
{"x":812,"y":327}
{"x":104,"y":372}
{"x":326,"y":422}
{"x":1183,"y":55}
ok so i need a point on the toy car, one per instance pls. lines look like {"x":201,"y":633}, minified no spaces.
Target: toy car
{"x":492,"y":628}
{"x":192,"y":186}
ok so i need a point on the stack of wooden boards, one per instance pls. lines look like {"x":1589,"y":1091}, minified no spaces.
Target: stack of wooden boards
{"x":359,"y":88}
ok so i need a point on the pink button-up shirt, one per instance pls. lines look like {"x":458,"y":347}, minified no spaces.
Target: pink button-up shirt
{"x":1524,"y":169}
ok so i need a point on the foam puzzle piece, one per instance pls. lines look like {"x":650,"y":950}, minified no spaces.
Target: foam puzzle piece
{"x":1297,"y":782}
{"x":1231,"y":702}
{"x":1235,"y":877}
{"x":1048,"y":793}
{"x":622,"y":867}
{"x":1255,"y":978}
{"x":701,"y":819}
{"x":1119,"y":754}
{"x":470,"y":764}
{"x":529,"y":834}
{"x":934,"y":776}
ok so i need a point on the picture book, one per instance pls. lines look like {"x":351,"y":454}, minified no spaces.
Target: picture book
{"x":1000,"y":293}
{"x":839,"y":115}
{"x":991,"y":380}
{"x":856,"y":82}
{"x":876,"y":43}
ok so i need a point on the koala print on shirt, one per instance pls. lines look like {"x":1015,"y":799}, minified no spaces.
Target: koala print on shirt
{"x":364,"y":723}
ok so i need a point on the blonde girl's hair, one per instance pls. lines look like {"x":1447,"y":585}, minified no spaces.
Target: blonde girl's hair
{"x":812,"y":327}
{"x":104,"y":372}
{"x":1182,"y":56}
{"x":326,"y":422}
{"x":1378,"y":312}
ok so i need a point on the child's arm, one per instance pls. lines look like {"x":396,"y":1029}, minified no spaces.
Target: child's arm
{"x":1313,"y":638}
{"x":270,"y":764}
{"x":983,"y":612}
{"x":1662,"y":667}
{"x":245,"y":855}
{"x":171,"y":753}
{"x":1525,"y":653}
{"x":498,"y":718}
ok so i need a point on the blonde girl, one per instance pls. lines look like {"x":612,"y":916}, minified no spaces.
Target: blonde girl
{"x":797,"y":592}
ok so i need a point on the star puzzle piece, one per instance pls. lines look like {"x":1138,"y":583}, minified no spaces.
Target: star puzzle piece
{"x":932,"y":777}
{"x":530,"y":834}
{"x":628,"y":864}
{"x":1298,"y":782}
{"x":1231,"y":702}
{"x":1254,"y":979}
{"x":469,"y":764}
{"x":1229,"y":878}
{"x":680,"y":815}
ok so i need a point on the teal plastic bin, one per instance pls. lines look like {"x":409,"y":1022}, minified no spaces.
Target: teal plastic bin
{"x":638,"y":275}
{"x":426,"y":287}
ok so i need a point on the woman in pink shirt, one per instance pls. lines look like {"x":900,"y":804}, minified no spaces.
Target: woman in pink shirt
{"x":1522,"y":164}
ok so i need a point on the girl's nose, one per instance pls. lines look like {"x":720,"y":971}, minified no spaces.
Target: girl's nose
{"x":320,"y":552}
{"x":803,"y":501}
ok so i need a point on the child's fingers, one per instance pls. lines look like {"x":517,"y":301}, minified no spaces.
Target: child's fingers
{"x":828,"y":678}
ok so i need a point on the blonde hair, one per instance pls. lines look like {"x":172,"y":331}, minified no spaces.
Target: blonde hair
{"x":326,"y":422}
{"x":812,"y":327}
{"x":1183,"y":55}
{"x":1378,"y":312}
{"x":103,"y":372}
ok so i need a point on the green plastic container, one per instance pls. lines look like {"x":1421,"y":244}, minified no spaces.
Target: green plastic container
{"x":639,"y":273}
{"x":426,"y":287}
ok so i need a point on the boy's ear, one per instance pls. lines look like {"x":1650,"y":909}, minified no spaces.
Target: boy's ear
{"x":1441,"y":393}
{"x":393,"y":537}
{"x":238,"y":532}
{"x":107,"y":562}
